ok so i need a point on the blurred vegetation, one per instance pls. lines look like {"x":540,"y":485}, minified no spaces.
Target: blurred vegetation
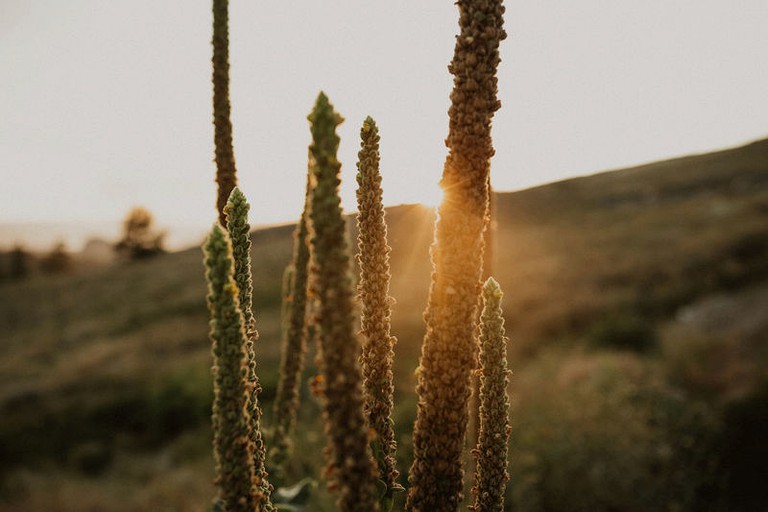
{"x":624,"y":332}
{"x":19,"y":263}
{"x":637,"y":306}
{"x":743,"y":452}
{"x":57,"y":261}
{"x":605,"y":432}
{"x":140,"y":237}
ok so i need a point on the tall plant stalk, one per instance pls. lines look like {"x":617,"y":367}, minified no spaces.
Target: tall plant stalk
{"x":448,"y":350}
{"x":373,"y":289}
{"x":236,"y":212}
{"x":294,"y":345}
{"x":240,"y":490}
{"x":489,"y":257}
{"x":493,"y":438}
{"x":350,"y":469}
{"x":226,"y":173}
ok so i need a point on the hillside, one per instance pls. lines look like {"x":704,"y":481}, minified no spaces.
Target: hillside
{"x":104,"y":383}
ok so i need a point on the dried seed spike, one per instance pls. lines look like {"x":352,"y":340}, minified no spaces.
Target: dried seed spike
{"x":350,"y":464}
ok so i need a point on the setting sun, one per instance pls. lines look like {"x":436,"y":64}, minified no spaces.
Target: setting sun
{"x":431,"y":195}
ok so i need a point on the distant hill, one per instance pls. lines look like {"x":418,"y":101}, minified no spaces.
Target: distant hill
{"x":649,"y":239}
{"x":657,"y":244}
{"x":646,"y":240}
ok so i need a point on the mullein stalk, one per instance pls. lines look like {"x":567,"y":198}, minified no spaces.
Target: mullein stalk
{"x":289,"y":274}
{"x":448,"y":352}
{"x":489,"y":256}
{"x":226,"y":173}
{"x":294,"y":346}
{"x":489,"y":236}
{"x":491,"y":453}
{"x":239,"y":230}
{"x":373,"y":289}
{"x":236,"y":212}
{"x":286,"y":294}
{"x":239,"y":488}
{"x":350,"y":469}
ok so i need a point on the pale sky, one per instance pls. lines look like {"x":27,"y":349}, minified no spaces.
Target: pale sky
{"x":106,"y":104}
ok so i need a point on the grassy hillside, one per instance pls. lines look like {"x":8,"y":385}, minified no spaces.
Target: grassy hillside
{"x":636,"y":301}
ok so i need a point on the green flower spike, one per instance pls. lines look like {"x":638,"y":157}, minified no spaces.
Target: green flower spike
{"x":240,"y":490}
{"x":236,"y":212}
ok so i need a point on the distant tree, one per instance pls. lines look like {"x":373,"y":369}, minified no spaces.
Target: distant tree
{"x":19,"y":263}
{"x":57,"y":261}
{"x":140,"y":238}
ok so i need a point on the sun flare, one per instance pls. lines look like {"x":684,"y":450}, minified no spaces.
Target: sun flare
{"x":431,"y":196}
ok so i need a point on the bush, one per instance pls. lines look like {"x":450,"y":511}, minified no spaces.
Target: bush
{"x":708,"y":365}
{"x":177,"y":403}
{"x":623,"y":332}
{"x":140,"y":238}
{"x":604,"y":433}
{"x":84,"y":430}
{"x":57,"y":261}
{"x":19,"y":266}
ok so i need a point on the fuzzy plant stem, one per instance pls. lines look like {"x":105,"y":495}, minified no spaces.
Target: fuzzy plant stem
{"x":491,"y":453}
{"x":351,"y":470}
{"x":289,"y":274}
{"x":489,"y":256}
{"x":448,"y":351}
{"x":373,"y":289}
{"x":239,"y":488}
{"x":489,"y":236}
{"x":226,"y":173}
{"x":239,"y":230}
{"x":294,"y":345}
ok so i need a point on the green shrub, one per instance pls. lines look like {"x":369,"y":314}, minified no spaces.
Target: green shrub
{"x":624,"y":332}
{"x":140,"y":414}
{"x":603,"y":433}
{"x":707,"y":365}
{"x":176,"y":403}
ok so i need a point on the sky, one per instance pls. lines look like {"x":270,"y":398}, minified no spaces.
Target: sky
{"x":107,"y":105}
